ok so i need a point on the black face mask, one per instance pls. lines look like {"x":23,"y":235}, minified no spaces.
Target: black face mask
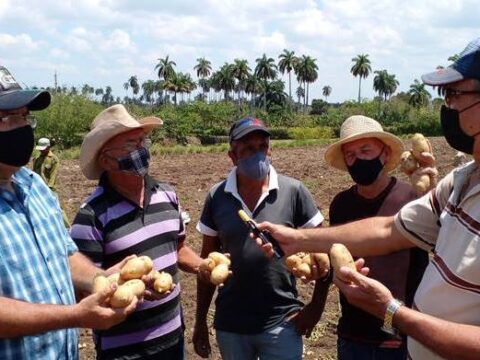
{"x":365,"y":172}
{"x":16,"y":146}
{"x":452,"y":131}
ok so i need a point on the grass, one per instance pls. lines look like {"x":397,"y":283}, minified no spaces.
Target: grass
{"x":156,"y":149}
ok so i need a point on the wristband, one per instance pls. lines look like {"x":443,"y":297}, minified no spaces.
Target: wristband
{"x":392,"y":308}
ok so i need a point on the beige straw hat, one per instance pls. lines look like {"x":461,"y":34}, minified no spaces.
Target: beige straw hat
{"x":361,"y":127}
{"x":109,"y":123}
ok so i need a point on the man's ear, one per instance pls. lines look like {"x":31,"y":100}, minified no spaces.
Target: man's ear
{"x":232,"y":157}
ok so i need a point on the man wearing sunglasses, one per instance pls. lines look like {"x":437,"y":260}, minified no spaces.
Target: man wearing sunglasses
{"x":38,"y":259}
{"x":444,"y":321}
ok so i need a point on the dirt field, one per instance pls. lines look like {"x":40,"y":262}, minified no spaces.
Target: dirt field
{"x":193,"y":175}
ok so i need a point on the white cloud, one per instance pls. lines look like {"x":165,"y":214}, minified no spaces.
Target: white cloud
{"x":22,"y":43}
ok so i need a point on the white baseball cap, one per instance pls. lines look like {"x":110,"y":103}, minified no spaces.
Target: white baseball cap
{"x":42,"y":144}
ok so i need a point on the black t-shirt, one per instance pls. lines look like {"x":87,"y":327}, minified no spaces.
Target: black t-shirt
{"x":401,"y":271}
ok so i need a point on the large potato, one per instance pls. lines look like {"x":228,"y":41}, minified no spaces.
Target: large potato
{"x":340,"y":256}
{"x":148,"y":262}
{"x":421,"y":183}
{"x":219,"y":274}
{"x":408,"y":163}
{"x":135,"y":268}
{"x":100,"y":283}
{"x":420,"y":144}
{"x":137,"y":286}
{"x":207,"y":265}
{"x":115,"y":279}
{"x":163,"y":282}
{"x":323,"y":263}
{"x":219,"y":258}
{"x":303,"y":270}
{"x":122,"y":297}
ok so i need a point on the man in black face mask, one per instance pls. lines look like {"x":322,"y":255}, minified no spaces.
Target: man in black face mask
{"x":39,"y":263}
{"x":445,"y":319}
{"x":368,"y":153}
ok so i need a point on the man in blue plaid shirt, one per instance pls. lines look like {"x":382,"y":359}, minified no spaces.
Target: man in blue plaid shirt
{"x":39,"y":263}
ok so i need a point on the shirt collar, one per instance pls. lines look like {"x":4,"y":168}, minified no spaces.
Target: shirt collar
{"x":231,"y":184}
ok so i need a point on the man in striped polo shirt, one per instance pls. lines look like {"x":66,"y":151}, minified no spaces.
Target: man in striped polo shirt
{"x":445,"y":319}
{"x":131,"y":213}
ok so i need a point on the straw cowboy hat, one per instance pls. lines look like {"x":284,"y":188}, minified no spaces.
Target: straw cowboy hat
{"x":361,"y":127}
{"x":109,"y":123}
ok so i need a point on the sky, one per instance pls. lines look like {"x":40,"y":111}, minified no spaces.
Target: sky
{"x":104,"y":42}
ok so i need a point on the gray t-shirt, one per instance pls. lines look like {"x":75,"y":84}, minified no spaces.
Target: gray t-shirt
{"x":261,"y":293}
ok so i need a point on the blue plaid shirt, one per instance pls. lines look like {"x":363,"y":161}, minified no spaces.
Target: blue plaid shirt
{"x":34,"y":267}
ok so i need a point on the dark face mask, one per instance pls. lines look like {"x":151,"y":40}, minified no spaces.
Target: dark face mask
{"x":16,"y":146}
{"x":452,"y":131}
{"x":365,"y":172}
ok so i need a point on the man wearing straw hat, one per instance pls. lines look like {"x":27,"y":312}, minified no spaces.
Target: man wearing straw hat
{"x":38,"y":259}
{"x":368,"y":154}
{"x":130,"y":213}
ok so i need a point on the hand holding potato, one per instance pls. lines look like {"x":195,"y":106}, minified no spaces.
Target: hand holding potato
{"x":341,"y":257}
{"x":308,"y":267}
{"x":215,"y":268}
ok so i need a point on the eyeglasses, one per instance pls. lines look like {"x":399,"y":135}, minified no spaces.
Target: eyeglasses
{"x":18,"y":118}
{"x":132,"y":145}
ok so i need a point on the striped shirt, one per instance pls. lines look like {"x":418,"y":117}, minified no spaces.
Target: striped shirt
{"x":447,"y":222}
{"x":34,"y":267}
{"x":107,"y":228}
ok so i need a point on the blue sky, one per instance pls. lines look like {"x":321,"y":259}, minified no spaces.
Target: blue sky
{"x":104,"y":42}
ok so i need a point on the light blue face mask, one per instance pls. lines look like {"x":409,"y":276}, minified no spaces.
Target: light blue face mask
{"x":255,"y":167}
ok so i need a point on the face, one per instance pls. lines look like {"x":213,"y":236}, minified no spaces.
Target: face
{"x":119,"y":146}
{"x":455,"y":99}
{"x":249,"y":145}
{"x":365,"y":149}
{"x":13,"y":119}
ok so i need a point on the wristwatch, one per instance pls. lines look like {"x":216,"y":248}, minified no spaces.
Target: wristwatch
{"x":392,"y":308}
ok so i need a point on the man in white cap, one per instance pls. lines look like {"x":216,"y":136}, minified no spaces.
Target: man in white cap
{"x":130,"y":213}
{"x":38,"y":313}
{"x":445,"y":320}
{"x":46,"y":164}
{"x":368,"y":154}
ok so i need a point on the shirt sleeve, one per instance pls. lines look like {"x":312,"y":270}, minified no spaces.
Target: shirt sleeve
{"x":53,"y":172}
{"x":87,"y":233}
{"x":419,"y":220}
{"x":206,"y":225}
{"x":307,"y":215}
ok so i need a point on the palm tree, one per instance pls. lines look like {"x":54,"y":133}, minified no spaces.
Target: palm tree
{"x":306,"y":71}
{"x":265,"y":69}
{"x":326,"y":91}
{"x":223,"y":80}
{"x":148,"y":88}
{"x":241,"y":71}
{"x":384,"y":83}
{"x":253,"y":87}
{"x":287,"y":63}
{"x":126,"y":85}
{"x":165,"y":68}
{"x":419,"y":96}
{"x":204,"y":69}
{"x":300,"y":93}
{"x":87,"y":90}
{"x":362,"y":69}
{"x":133,"y":83}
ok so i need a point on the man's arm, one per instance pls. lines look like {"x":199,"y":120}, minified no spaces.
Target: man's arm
{"x":448,"y":339}
{"x":372,"y":236}
{"x":19,"y":318}
{"x":188,"y":260}
{"x":83,"y":271}
{"x":53,"y":173}
{"x":205,"y":293}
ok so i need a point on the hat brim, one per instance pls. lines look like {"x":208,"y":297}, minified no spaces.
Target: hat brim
{"x":99,"y":136}
{"x":334,"y":153}
{"x":247,"y":131}
{"x":32,"y":99}
{"x":40,"y":148}
{"x":442,"y":77}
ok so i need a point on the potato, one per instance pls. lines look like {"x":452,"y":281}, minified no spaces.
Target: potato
{"x":219,"y":258}
{"x":163,"y":283}
{"x":100,"y":283}
{"x":115,"y":279}
{"x":408,"y":164}
{"x":340,"y":256}
{"x":293,"y":261}
{"x":421,"y":183}
{"x":122,"y":297}
{"x":420,"y":144}
{"x":135,"y":269}
{"x":137,"y":286}
{"x":304,"y":269}
{"x":148,"y":262}
{"x":207,"y":265}
{"x":322,"y":261}
{"x":219,"y":274}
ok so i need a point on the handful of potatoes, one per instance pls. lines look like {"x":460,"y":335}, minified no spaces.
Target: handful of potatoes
{"x":218,"y":266}
{"x":411,"y":163}
{"x":300,"y":265}
{"x":129,"y":281}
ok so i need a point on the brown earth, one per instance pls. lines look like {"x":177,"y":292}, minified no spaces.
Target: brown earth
{"x":194,"y":174}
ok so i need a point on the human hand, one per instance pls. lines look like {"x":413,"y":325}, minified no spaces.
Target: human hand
{"x":201,"y":341}
{"x":368,"y":294}
{"x":288,"y":238}
{"x":94,"y":311}
{"x":432,"y":173}
{"x":150,"y":293}
{"x":426,"y":159}
{"x":306,"y":319}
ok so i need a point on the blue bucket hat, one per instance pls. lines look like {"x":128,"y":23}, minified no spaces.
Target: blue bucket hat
{"x":466,"y":67}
